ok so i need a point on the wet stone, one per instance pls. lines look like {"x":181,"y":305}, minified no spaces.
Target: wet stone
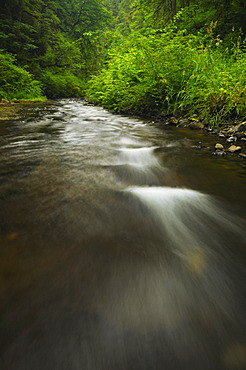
{"x":184,"y":122}
{"x":215,"y":131}
{"x":242,"y":155}
{"x":219,"y":146}
{"x":173,"y":121}
{"x":197,"y":125}
{"x":241,"y":127}
{"x":234,"y":149}
{"x":239,"y":135}
{"x":219,"y":152}
{"x":231,"y":139}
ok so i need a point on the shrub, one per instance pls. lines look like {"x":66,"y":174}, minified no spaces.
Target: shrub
{"x":61,"y":83}
{"x":171,"y":71}
{"x":16,"y":82}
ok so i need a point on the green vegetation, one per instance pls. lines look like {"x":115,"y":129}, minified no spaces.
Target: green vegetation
{"x":147,"y":57}
{"x":196,"y":63}
{"x":160,"y":73}
{"x":54,"y":40}
{"x":16,"y":82}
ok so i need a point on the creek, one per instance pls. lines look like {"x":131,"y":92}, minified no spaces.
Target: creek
{"x":122,"y":246}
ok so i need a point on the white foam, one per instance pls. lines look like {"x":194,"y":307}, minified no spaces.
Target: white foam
{"x":185,"y":215}
{"x":139,"y":157}
{"x":168,"y":195}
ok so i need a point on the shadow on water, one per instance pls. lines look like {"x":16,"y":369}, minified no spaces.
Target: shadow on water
{"x":107,"y":259}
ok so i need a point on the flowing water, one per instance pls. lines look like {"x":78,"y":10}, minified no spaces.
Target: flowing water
{"x":122,"y":247}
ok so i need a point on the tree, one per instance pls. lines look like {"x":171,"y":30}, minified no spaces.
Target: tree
{"x":16,"y":28}
{"x":54,"y":37}
{"x":228,"y":14}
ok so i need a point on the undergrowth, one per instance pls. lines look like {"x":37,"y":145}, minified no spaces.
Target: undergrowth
{"x":170,"y":71}
{"x":16,"y":82}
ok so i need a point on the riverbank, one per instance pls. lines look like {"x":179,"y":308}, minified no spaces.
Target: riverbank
{"x":10,"y":110}
{"x":229,"y":138}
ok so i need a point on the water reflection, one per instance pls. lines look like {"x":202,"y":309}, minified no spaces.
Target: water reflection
{"x":107,"y":260}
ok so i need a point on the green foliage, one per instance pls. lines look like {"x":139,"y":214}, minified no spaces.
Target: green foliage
{"x":17,"y":37}
{"x":61,"y":52}
{"x":138,"y":77}
{"x":61,"y":83}
{"x":154,"y":55}
{"x":16,"y":82}
{"x":167,"y":72}
{"x":217,"y":87}
{"x":78,"y":17}
{"x":198,"y":14}
{"x":55,"y":35}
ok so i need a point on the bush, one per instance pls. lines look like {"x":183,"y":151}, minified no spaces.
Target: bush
{"x":61,"y":83}
{"x":16,"y":82}
{"x":217,"y":87}
{"x":171,"y":71}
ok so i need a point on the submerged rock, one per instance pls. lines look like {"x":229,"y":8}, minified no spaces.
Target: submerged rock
{"x":242,"y":155}
{"x":219,"y":152}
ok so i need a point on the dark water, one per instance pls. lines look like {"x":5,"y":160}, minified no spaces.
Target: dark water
{"x":122,"y":246}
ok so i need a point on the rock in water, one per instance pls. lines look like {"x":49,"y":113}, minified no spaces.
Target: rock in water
{"x":242,"y":155}
{"x":234,"y":148}
{"x":218,"y":146}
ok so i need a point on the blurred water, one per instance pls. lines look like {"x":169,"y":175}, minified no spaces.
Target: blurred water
{"x":121,"y":247}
